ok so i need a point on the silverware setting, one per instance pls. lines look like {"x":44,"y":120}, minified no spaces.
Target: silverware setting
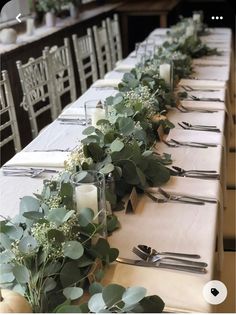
{"x":28,"y":172}
{"x":158,"y":264}
{"x":202,"y":174}
{"x":188,"y":88}
{"x":187,"y":126}
{"x":184,"y":109}
{"x":176,"y":144}
{"x":53,"y":150}
{"x":155,"y":257}
{"x":210,"y":99}
{"x":151,"y":251}
{"x":164,"y":199}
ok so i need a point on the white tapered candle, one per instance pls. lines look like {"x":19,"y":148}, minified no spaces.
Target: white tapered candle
{"x":165,"y":72}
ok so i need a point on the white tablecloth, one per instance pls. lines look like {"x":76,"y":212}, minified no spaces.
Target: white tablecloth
{"x":170,"y":226}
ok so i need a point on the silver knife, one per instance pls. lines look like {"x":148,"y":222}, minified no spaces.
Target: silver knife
{"x":161,"y":265}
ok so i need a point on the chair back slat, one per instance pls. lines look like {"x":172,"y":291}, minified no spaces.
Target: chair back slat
{"x":102,"y":49}
{"x":114,"y":38}
{"x":62,"y":73}
{"x":37,"y":85}
{"x":85,"y":59}
{"x":8,"y":114}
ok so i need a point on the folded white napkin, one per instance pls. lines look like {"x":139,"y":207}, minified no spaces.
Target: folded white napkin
{"x":73,"y":113}
{"x":107,"y":83}
{"x":204,"y":105}
{"x":203,"y":84}
{"x":210,"y":62}
{"x":195,"y":136}
{"x":124,"y":68}
{"x":39,"y":159}
{"x":211,"y":73}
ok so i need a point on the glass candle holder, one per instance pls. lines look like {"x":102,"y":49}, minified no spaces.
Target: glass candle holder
{"x":94,"y":111}
{"x":89,"y":192}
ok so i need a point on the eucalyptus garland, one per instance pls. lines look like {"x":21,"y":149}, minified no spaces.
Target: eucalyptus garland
{"x":50,"y":252}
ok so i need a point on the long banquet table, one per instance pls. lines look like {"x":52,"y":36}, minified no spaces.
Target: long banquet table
{"x":166,"y":227}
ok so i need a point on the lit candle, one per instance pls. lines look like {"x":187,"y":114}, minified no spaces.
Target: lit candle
{"x":30,"y":26}
{"x":86,"y":197}
{"x":165,"y":72}
{"x":197,"y":17}
{"x":189,"y":30}
{"x":97,"y":114}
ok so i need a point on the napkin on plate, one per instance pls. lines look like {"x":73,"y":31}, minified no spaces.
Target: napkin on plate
{"x":73,"y":113}
{"x":211,"y":73}
{"x":107,"y":83}
{"x":210,"y":62}
{"x":39,"y":159}
{"x":203,"y":84}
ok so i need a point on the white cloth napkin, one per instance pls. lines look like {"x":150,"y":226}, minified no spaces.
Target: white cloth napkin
{"x":211,"y":73}
{"x":124,"y":67}
{"x":210,"y":62}
{"x":107,"y":83}
{"x":203,"y":84}
{"x":196,"y":136}
{"x":39,"y":159}
{"x":204,"y":105}
{"x":73,"y":113}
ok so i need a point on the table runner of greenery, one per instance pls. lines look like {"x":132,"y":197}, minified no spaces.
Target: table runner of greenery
{"x":49,"y":252}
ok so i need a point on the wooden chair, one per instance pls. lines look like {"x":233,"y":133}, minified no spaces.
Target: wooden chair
{"x":37,"y":85}
{"x":62,"y":72}
{"x":9,"y":127}
{"x":102,"y":49}
{"x":86,"y":59}
{"x":114,"y":38}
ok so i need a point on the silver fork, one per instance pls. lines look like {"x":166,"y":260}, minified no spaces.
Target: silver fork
{"x":155,"y":258}
{"x":177,"y":197}
{"x":161,"y":200}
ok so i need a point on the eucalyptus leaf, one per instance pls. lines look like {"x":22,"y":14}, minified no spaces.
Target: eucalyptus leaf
{"x":6,"y":256}
{"x":70,"y":274}
{"x":113,"y":254}
{"x":73,"y":293}
{"x":152,"y":304}
{"x":89,"y":130}
{"x":33,"y":215}
{"x":116,"y":145}
{"x":112,"y":294}
{"x":6,"y":277}
{"x":108,"y":168}
{"x":52,"y":268}
{"x":57,"y":216}
{"x":49,"y":285}
{"x":21,"y":289}
{"x":73,"y":249}
{"x":29,"y":203}
{"x":86,"y":216}
{"x":5,"y":241}
{"x":27,"y":245}
{"x":96,"y":303}
{"x":95,"y":288}
{"x":133,"y":295}
{"x":21,"y":273}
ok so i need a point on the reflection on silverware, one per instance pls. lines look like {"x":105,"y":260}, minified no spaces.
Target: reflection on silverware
{"x":149,"y":250}
{"x":162,"y":265}
{"x":154,"y":258}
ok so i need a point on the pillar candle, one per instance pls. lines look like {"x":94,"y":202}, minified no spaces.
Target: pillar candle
{"x":30,"y":26}
{"x":97,"y":114}
{"x":165,"y":72}
{"x":189,"y":30}
{"x":87,"y":197}
{"x":197,"y":17}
